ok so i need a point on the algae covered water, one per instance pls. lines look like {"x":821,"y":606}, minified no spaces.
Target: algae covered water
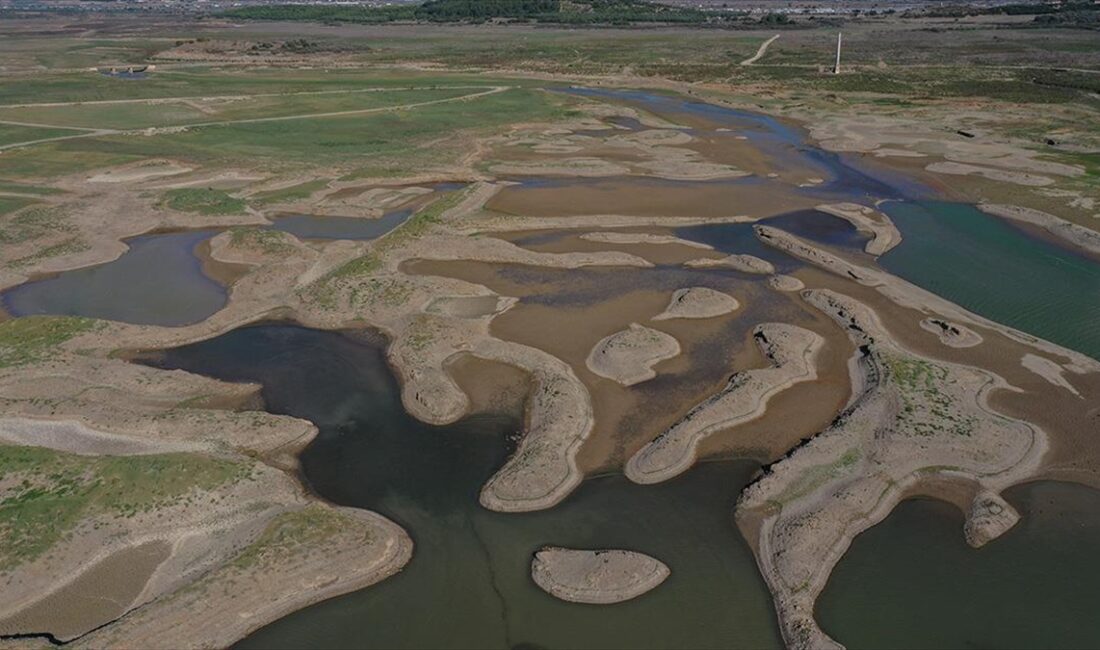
{"x":468,"y":584}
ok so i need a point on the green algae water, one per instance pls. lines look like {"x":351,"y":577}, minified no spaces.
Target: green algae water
{"x":468,"y":584}
{"x":993,"y":268}
{"x":913,"y":582}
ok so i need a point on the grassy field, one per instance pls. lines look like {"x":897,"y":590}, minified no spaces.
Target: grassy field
{"x":203,"y":110}
{"x":34,"y":338}
{"x":380,"y":143}
{"x":12,"y":203}
{"x":10,"y":133}
{"x":890,"y":66}
{"x":203,"y":200}
{"x":48,"y":493}
{"x":198,"y":82}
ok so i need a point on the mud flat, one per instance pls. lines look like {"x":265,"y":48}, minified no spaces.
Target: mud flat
{"x":951,"y":334}
{"x":1048,"y":370}
{"x":913,"y":419}
{"x":1085,"y":238}
{"x":790,"y":350}
{"x":992,"y":173}
{"x":739,"y":262}
{"x":175,"y":534}
{"x":785,"y":283}
{"x":600,"y":577}
{"x":698,"y":302}
{"x":572,"y":167}
{"x":341,"y":550}
{"x":639,"y":238}
{"x":628,"y":356}
{"x":884,"y":234}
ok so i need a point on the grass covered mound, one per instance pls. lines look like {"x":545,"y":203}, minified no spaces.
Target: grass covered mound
{"x":203,"y":200}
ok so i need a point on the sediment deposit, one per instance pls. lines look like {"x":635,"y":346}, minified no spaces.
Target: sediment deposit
{"x":698,"y":302}
{"x":600,"y":577}
{"x":913,"y":419}
{"x":790,"y":351}
{"x":628,"y":356}
{"x":741,"y":262}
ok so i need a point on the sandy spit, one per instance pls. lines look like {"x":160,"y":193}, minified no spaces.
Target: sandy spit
{"x":884,"y":234}
{"x":791,"y":351}
{"x":741,"y":262}
{"x":698,"y":302}
{"x":907,"y":294}
{"x":1080,"y":236}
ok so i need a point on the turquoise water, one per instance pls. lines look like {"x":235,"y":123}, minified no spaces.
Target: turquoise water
{"x":913,"y":582}
{"x":954,"y":250}
{"x":468,"y":585}
{"x":995,"y":269}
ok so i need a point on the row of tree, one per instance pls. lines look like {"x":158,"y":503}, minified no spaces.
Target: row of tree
{"x":552,"y":11}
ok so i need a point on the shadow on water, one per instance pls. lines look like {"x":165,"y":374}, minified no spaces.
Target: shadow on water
{"x":913,"y":582}
{"x":159,"y":281}
{"x":468,"y":584}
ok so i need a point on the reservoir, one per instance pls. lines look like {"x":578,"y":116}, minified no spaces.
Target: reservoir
{"x":468,"y":584}
{"x":913,"y":582}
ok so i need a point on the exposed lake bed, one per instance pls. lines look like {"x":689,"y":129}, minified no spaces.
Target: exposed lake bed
{"x":688,"y":332}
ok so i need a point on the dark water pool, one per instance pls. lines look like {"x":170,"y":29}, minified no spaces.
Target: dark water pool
{"x":307,"y":226}
{"x":159,"y":281}
{"x":913,"y":582}
{"x":468,"y":585}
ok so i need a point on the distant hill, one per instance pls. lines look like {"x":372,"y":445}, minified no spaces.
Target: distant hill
{"x":450,"y":11}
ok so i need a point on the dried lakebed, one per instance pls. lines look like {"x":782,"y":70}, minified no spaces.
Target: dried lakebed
{"x":473,"y":565}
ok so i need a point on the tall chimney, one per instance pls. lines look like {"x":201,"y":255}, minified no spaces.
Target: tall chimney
{"x":836,"y":68}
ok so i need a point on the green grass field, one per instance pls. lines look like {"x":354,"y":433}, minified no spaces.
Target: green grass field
{"x":384,"y":142}
{"x":174,"y":113}
{"x":203,"y":200}
{"x":12,"y":203}
{"x":48,"y":493}
{"x":12,"y":134}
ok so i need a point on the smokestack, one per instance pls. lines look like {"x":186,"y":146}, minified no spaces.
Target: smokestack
{"x":836,"y":67}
